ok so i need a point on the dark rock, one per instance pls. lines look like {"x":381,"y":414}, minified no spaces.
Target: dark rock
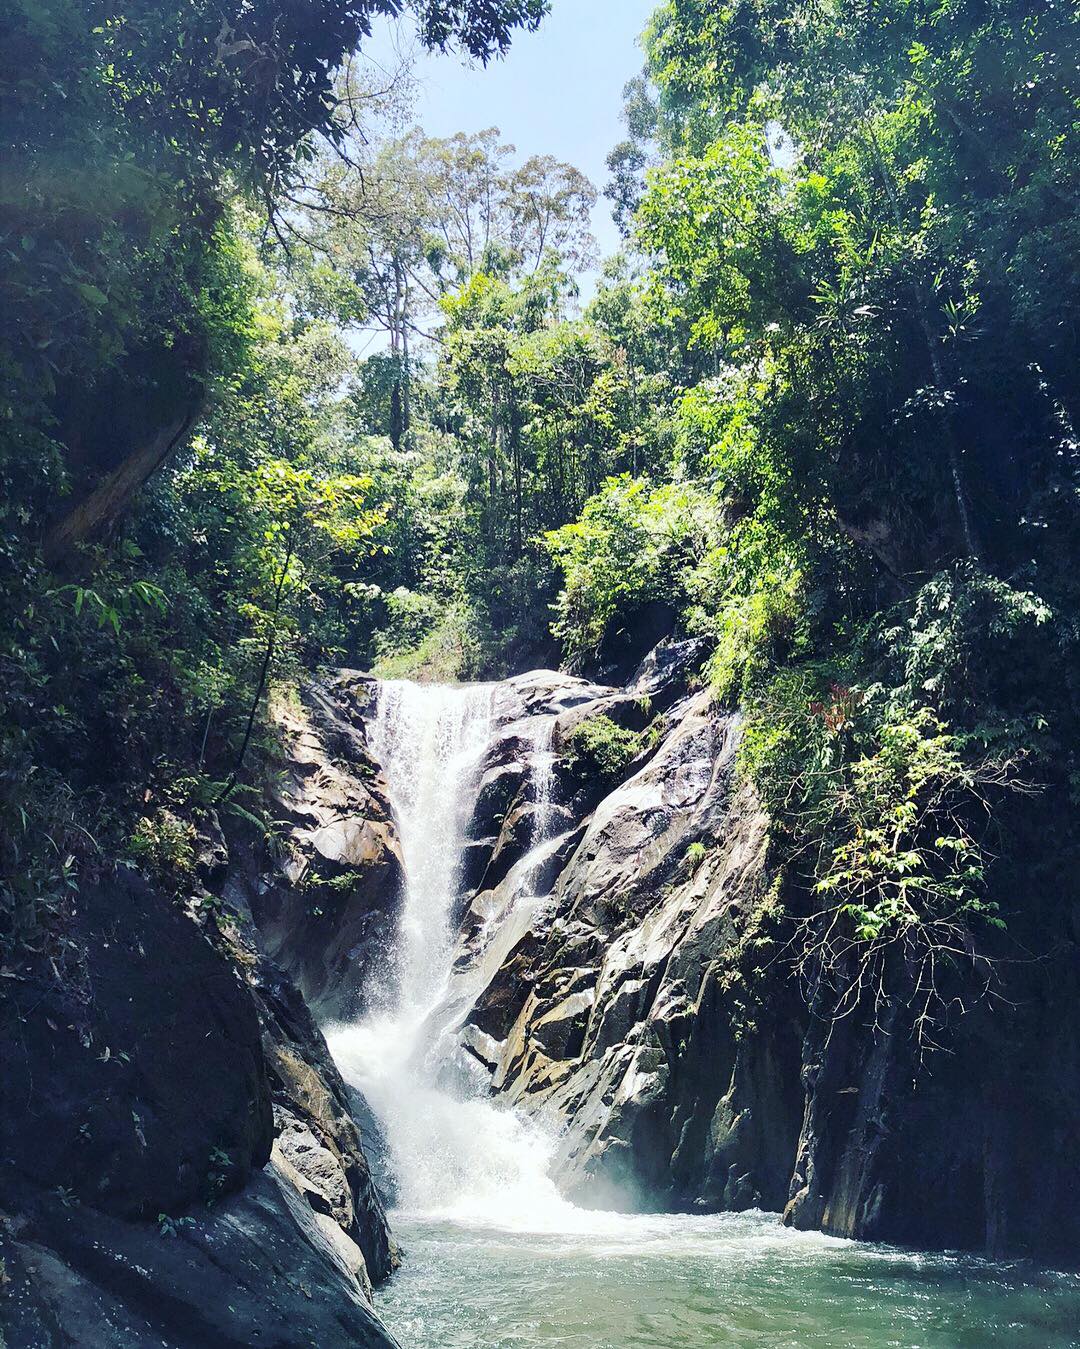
{"x":317,"y":1133}
{"x":667,"y":672}
{"x":326,"y":898}
{"x":212,"y":854}
{"x":626,"y":645}
{"x":971,"y":1148}
{"x":140,"y":1076}
{"x":500,"y":786}
{"x":119,"y":1084}
{"x":515,"y":838}
{"x":501,"y":1002}
{"x":475,"y":857}
{"x":257,"y":1269}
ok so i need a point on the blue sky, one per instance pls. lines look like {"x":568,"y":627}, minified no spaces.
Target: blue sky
{"x":558,"y":91}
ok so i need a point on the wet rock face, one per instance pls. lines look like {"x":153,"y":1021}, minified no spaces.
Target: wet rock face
{"x":317,"y":1138}
{"x":623,"y":973}
{"x":974,"y":1148}
{"x":614,"y":1015}
{"x":326,"y":897}
{"x":179,"y":1165}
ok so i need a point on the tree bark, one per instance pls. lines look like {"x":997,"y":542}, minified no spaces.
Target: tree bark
{"x":109,"y":498}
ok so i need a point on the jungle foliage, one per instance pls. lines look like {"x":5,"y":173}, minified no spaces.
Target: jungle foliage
{"x":867,"y":217}
{"x":148,"y":152}
{"x":820,"y":411}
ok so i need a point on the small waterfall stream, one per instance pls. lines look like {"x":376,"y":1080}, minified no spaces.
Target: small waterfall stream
{"x":430,"y":741}
{"x":455,"y":1152}
{"x":543,"y":781}
{"x":495,"y":1256}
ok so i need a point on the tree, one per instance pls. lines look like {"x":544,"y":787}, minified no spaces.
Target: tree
{"x":864,"y":224}
{"x":300,"y":509}
{"x":928,"y":157}
{"x":628,"y":160}
{"x":123,"y":133}
{"x":416,"y":216}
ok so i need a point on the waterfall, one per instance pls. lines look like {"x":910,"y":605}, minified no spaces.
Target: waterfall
{"x":430,"y":740}
{"x":455,"y":1152}
{"x":543,"y":758}
{"x":523,"y":876}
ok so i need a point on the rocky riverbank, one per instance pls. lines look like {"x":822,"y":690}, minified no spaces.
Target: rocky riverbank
{"x":182,"y":1162}
{"x":625,"y":974}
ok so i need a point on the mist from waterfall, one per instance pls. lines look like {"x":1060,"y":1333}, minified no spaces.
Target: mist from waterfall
{"x":455,"y":1152}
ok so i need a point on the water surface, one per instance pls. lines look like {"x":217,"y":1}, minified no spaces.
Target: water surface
{"x":675,"y":1282}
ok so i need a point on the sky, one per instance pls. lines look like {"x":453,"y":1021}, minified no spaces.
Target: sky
{"x":558,"y":91}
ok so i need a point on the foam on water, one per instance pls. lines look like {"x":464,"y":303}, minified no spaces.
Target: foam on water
{"x":456,"y":1154}
{"x":670,"y":1281}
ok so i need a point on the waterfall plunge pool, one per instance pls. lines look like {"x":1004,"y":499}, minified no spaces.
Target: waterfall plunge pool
{"x":663,"y":1281}
{"x":495,"y":1257}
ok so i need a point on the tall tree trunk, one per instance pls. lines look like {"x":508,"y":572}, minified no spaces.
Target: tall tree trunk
{"x":406,"y":379}
{"x":396,"y":418}
{"x":516,"y":433}
{"x":264,"y":673}
{"x":493,"y":457}
{"x":105,"y":503}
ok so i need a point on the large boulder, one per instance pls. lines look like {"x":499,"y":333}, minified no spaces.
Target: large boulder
{"x":327,"y":892}
{"x":257,"y":1269}
{"x":135,"y":1064}
{"x":178,"y":1163}
{"x":647,"y":1008}
{"x":621,"y":1021}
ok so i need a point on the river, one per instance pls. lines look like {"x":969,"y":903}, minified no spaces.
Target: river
{"x":673,"y":1282}
{"x":496,"y":1258}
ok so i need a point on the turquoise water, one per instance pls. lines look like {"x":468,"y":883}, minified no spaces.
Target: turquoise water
{"x":496,"y":1257}
{"x":676,"y":1282}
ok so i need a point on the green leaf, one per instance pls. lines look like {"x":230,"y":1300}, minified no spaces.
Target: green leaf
{"x":92,"y":294}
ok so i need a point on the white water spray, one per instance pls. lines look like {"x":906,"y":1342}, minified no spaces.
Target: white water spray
{"x":543,"y":781}
{"x":455,"y":1152}
{"x":430,"y":741}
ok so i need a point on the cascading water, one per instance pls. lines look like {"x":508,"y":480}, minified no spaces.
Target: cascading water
{"x":430,"y":740}
{"x":455,"y":1153}
{"x":543,"y":781}
{"x":494,"y":1255}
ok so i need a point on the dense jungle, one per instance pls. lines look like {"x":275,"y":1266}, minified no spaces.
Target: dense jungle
{"x":539,"y":785}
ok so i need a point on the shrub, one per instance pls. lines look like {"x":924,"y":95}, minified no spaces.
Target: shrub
{"x":163,"y":845}
{"x":632,"y":544}
{"x":448,"y":651}
{"x":887,"y":773}
{"x":695,"y":855}
{"x":410,"y":617}
{"x":601,"y":748}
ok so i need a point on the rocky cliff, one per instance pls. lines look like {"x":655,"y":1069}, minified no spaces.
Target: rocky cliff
{"x":180,"y":1165}
{"x":625,"y":974}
